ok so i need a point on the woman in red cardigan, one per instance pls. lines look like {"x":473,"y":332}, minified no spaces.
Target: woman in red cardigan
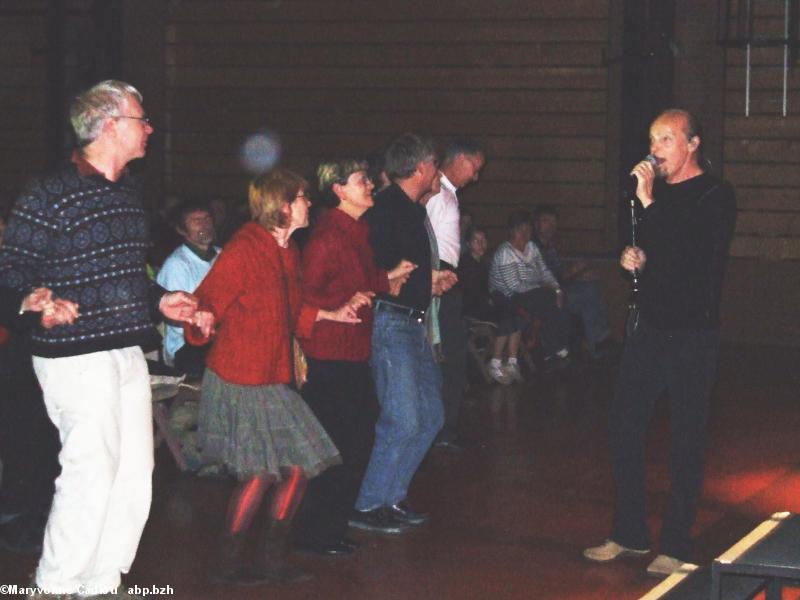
{"x":338,"y":262}
{"x":250,"y":420}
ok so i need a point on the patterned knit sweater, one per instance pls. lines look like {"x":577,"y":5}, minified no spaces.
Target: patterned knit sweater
{"x":85,"y":238}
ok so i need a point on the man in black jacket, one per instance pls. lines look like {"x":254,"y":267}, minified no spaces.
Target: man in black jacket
{"x":688,"y":222}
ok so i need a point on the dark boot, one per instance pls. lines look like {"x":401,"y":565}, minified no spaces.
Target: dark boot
{"x":271,"y":560}
{"x":230,"y":567}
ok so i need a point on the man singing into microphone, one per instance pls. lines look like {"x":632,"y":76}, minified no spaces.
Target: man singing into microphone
{"x":684,"y":235}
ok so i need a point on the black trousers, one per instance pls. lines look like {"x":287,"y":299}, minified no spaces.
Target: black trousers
{"x":541,"y":303}
{"x":342,"y":396}
{"x":453,"y":330}
{"x":683,"y":363}
{"x":191,"y":360}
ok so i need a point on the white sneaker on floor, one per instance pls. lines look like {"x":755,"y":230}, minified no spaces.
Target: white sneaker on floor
{"x":499,"y":374}
{"x":513,"y":373}
{"x":610,"y":550}
{"x":664,"y":566}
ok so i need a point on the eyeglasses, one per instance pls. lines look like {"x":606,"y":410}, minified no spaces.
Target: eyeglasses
{"x":142,"y":119}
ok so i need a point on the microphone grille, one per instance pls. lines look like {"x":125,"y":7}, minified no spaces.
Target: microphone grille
{"x":651,"y":159}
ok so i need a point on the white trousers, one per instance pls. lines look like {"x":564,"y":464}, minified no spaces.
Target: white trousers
{"x":100,"y":403}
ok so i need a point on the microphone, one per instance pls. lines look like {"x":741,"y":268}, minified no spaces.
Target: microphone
{"x":649,"y":158}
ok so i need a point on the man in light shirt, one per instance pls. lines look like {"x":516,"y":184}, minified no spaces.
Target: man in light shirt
{"x":185,"y":269}
{"x":462,"y":163}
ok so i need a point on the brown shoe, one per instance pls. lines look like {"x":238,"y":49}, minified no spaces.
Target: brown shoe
{"x":610,"y":550}
{"x":664,"y":566}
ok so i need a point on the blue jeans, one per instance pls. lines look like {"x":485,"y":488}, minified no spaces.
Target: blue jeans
{"x":585,"y":300}
{"x":409,"y":386}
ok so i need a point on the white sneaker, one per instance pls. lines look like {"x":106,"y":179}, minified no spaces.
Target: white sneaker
{"x":499,"y":374}
{"x":664,"y":566}
{"x":513,"y":372}
{"x":610,"y":550}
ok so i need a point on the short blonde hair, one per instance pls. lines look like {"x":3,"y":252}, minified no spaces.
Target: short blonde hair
{"x":270,"y":192}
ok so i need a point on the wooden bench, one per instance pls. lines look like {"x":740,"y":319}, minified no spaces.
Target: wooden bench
{"x":691,"y":582}
{"x":167,"y":394}
{"x":771,"y":553}
{"x":764,"y":560}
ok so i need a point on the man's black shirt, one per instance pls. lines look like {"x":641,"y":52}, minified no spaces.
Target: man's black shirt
{"x":685,"y":234}
{"x":397,"y":231}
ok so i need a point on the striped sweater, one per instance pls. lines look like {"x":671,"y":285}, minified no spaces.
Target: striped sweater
{"x":85,"y":238}
{"x":513,"y":272}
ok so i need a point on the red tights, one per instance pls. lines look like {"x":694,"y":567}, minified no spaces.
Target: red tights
{"x":248,"y":495}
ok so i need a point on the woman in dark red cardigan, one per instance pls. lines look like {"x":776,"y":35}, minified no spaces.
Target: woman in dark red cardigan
{"x":338,"y":262}
{"x":250,"y":419}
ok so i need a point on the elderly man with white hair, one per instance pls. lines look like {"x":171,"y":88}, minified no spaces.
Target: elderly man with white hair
{"x":83,"y":233}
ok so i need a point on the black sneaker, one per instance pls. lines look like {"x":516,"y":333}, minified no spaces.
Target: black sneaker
{"x":403,"y":513}
{"x":378,"y":520}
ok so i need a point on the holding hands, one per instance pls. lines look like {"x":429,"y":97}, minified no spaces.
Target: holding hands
{"x":55,"y":311}
{"x":347,"y":312}
{"x":399,"y":275}
{"x":204,"y":321}
{"x":178,"y":306}
{"x":442,"y":281}
{"x":183,"y":307}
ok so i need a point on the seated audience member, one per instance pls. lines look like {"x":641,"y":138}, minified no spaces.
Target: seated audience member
{"x":479,"y":304}
{"x":583,"y":296}
{"x":184,"y":269}
{"x":519,"y":273}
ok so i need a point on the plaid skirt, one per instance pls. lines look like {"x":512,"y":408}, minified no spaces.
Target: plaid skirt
{"x":255,"y":428}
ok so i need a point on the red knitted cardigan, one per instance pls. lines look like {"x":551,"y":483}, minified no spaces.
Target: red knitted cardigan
{"x":246,"y":290}
{"x":337,"y":263}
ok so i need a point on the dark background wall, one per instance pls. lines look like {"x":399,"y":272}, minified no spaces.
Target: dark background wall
{"x":560,"y":92}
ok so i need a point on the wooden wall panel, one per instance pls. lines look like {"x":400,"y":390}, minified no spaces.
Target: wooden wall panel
{"x":21,"y":95}
{"x":382,"y":31}
{"x":409,"y":10}
{"x":24,"y":86}
{"x":314,"y":54}
{"x":761,"y":155}
{"x":529,"y":78}
{"x":526,"y":78}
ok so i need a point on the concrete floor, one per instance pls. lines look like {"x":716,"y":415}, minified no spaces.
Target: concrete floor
{"x":512,"y":513}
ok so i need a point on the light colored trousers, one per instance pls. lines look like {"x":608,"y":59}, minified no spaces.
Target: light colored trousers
{"x":100,"y":403}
